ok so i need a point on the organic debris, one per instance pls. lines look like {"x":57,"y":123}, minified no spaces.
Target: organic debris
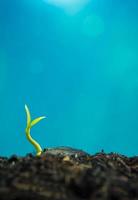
{"x":68,"y":174}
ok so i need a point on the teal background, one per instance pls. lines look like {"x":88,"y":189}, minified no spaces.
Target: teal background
{"x":76,"y":63}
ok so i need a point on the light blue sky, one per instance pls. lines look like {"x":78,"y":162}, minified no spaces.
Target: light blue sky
{"x":78,"y":65}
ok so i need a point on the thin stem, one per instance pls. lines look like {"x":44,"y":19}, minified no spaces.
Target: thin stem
{"x":33,"y":142}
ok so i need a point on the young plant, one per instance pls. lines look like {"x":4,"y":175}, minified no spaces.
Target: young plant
{"x":30,"y":124}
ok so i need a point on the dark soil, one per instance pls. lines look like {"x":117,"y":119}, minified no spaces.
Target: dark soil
{"x":69,"y":174}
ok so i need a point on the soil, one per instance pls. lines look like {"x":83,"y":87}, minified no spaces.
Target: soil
{"x":64,"y":173}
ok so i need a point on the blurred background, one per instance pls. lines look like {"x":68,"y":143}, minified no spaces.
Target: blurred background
{"x":75,"y":61}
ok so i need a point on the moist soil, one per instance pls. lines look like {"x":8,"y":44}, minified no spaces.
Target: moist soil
{"x":64,"y":173}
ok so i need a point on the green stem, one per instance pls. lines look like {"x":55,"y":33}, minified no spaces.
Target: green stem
{"x":33,"y":142}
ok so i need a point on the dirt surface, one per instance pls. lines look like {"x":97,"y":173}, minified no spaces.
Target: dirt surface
{"x":68,"y":174}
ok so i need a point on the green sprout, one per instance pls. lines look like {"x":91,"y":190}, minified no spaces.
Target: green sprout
{"x":29,"y":125}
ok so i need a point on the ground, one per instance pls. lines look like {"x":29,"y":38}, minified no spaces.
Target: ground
{"x":68,"y":174}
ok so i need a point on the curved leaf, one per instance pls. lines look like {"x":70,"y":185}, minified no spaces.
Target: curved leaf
{"x":35,"y":121}
{"x":28,"y":115}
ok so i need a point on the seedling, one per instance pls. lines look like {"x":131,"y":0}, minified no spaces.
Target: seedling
{"x":30,"y":124}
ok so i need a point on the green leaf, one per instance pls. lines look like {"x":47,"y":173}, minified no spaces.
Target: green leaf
{"x":35,"y":121}
{"x":28,"y":115}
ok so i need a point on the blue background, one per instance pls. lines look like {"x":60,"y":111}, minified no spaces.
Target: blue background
{"x":76,"y":64}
